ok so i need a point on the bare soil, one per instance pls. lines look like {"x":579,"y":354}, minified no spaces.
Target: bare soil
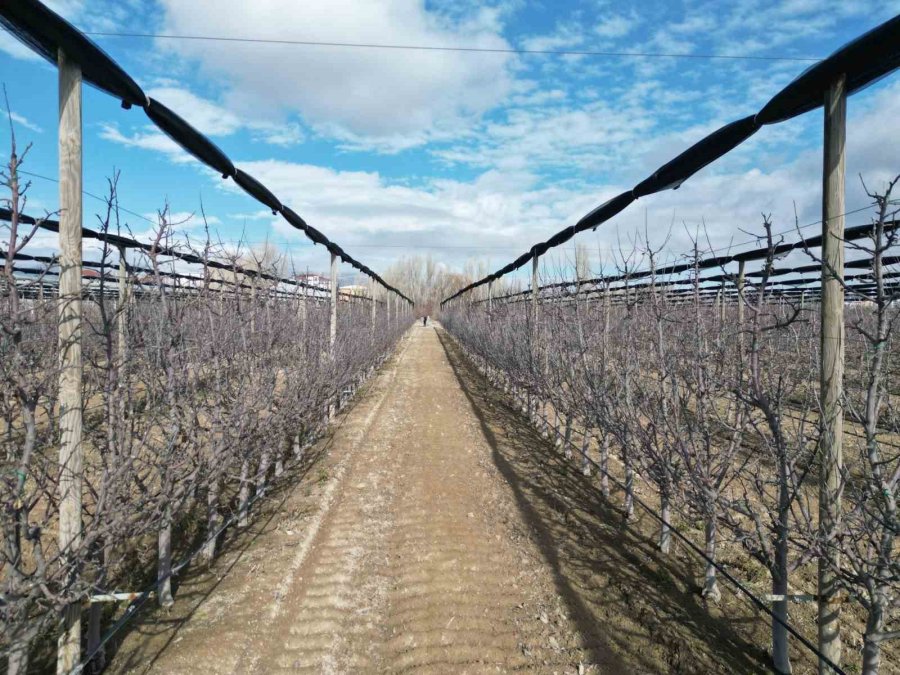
{"x":437,"y":532}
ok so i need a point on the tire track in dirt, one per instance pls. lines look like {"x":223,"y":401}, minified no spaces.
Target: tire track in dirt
{"x":312,"y":638}
{"x":409,"y":573}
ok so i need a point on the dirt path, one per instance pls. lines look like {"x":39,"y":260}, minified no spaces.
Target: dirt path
{"x":409,"y":556}
{"x":437,"y":532}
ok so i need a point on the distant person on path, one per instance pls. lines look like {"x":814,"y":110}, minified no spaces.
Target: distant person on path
{"x":424,"y":320}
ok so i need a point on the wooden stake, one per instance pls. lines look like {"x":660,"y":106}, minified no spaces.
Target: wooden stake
{"x":490,"y":298}
{"x":334,"y":300}
{"x":70,"y":363}
{"x":832,"y":366}
{"x":253,"y":305}
{"x":121,"y":319}
{"x":534,"y":292}
{"x":740,"y":317}
{"x":303,"y":297}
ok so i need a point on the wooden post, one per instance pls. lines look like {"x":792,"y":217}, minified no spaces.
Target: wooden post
{"x":303,"y":298}
{"x":490,"y":299}
{"x":832,"y":366}
{"x":740,"y":317}
{"x":534,"y":292}
{"x":253,"y":305}
{"x":70,"y":363}
{"x":121,"y":319}
{"x":334,"y":300}
{"x":374,"y":308}
{"x":721,"y":304}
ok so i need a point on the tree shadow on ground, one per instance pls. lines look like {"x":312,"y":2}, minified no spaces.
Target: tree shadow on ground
{"x":638,"y":611}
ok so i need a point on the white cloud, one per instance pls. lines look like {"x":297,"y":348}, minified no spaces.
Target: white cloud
{"x":361,"y":92}
{"x":592,"y":136}
{"x":17,"y":49}
{"x":283,"y":135}
{"x":459,"y":218}
{"x":149,"y":138}
{"x":21,"y":120}
{"x":616,"y":26}
{"x":207,"y":117}
{"x":748,"y":28}
{"x":212,"y":119}
{"x":565,"y":36}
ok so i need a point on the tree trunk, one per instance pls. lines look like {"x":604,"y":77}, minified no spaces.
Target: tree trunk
{"x":19,"y":648}
{"x":553,"y":429}
{"x":665,"y":531}
{"x":244,"y":494}
{"x":585,"y":446}
{"x":213,"y":521}
{"x":604,"y":465}
{"x":780,"y":655}
{"x":629,"y":488}
{"x":264,"y":460}
{"x":95,"y":619}
{"x":279,"y":458}
{"x":711,"y":584}
{"x":164,"y":562}
{"x":871,"y":642}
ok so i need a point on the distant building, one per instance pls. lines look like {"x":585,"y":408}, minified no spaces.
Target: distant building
{"x":320,"y":280}
{"x":355,"y":290}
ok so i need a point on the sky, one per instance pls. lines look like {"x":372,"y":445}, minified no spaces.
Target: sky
{"x":462,"y":155}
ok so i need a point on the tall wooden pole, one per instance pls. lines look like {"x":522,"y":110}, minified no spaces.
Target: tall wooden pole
{"x":374,"y":308}
{"x":303,"y":308}
{"x":122,"y":318}
{"x":334,"y":300}
{"x":70,"y":363}
{"x":253,"y":305}
{"x":490,"y":299}
{"x":535,"y":262}
{"x":832,"y":366}
{"x":741,"y":278}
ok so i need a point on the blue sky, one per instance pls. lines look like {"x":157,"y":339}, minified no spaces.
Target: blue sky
{"x":467,"y":156}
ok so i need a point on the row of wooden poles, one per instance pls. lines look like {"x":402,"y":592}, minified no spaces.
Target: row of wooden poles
{"x":71,"y":336}
{"x":831,"y":371}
